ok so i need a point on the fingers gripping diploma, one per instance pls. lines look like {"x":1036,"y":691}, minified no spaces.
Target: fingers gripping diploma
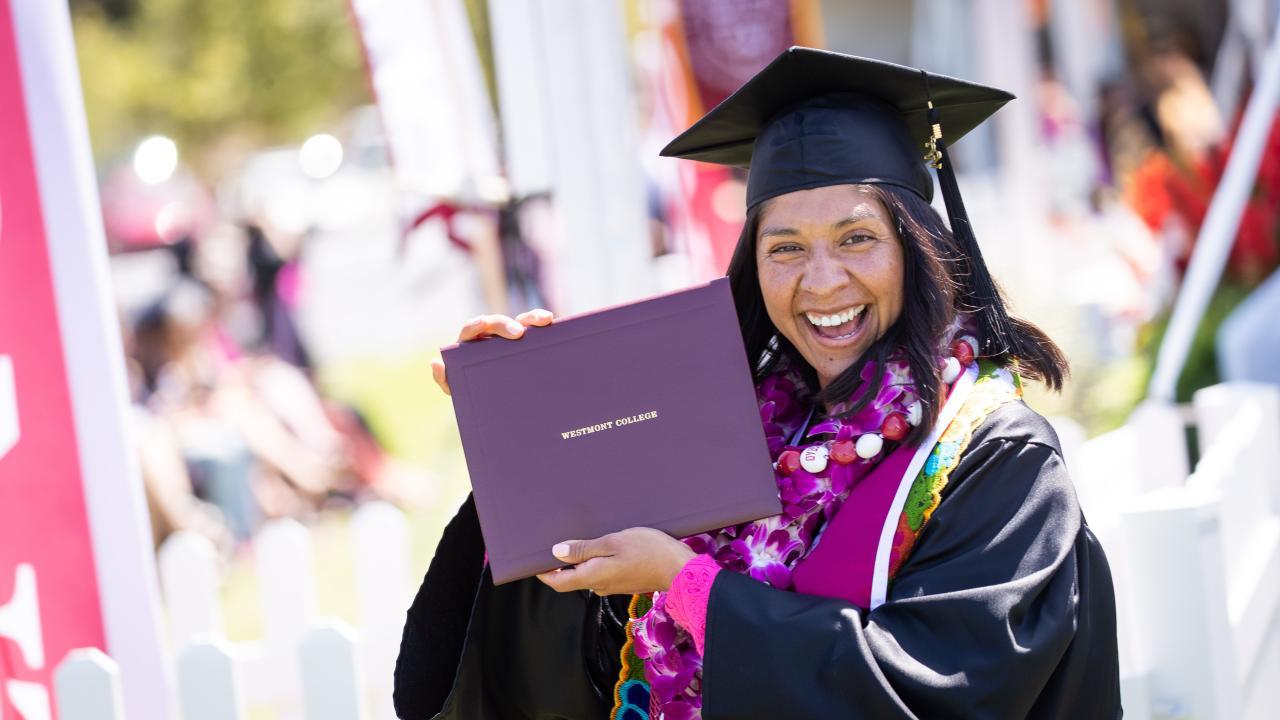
{"x":496,"y":326}
{"x":636,"y":560}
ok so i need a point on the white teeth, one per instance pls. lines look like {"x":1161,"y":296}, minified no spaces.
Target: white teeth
{"x":837,"y":319}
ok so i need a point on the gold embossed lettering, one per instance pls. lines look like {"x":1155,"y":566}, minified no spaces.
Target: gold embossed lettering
{"x":608,"y":425}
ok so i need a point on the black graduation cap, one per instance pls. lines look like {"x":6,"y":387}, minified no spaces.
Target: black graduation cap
{"x":813,"y":118}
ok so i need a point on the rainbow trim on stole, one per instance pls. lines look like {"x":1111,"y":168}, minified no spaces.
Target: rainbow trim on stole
{"x":631,"y":694}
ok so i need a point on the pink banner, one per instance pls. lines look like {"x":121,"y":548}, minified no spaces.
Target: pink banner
{"x":705,"y":50}
{"x":731,"y":40}
{"x":49,"y":600}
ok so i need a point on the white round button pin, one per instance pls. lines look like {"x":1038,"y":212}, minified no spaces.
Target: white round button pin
{"x":814,"y":458}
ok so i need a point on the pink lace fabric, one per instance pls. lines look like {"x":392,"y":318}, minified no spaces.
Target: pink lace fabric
{"x":690,"y":591}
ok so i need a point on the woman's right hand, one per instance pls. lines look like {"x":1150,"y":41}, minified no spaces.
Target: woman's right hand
{"x":492,"y":325}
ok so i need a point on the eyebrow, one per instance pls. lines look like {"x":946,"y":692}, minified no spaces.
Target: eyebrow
{"x":860,"y":213}
{"x":778,"y":232}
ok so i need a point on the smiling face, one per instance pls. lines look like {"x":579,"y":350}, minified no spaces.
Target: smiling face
{"x":830,"y":264}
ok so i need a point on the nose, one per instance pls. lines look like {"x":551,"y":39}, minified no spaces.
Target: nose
{"x":823,"y":276}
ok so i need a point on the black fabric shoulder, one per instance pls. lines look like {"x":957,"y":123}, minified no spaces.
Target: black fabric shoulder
{"x":1012,"y":475}
{"x":1013,"y":436}
{"x":436,"y":625}
{"x":1016,"y":421}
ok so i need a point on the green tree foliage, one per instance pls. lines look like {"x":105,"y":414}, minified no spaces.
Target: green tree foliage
{"x":208,"y":72}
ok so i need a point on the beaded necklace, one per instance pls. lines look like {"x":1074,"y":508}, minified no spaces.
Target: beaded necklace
{"x":813,"y":479}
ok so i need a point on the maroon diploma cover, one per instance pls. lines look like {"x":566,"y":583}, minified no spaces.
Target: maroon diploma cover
{"x":638,"y":415}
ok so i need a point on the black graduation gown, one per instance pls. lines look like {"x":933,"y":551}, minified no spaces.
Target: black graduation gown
{"x":1005,"y":609}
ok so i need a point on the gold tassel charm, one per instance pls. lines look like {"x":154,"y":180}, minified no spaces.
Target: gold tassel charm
{"x":933,"y":155}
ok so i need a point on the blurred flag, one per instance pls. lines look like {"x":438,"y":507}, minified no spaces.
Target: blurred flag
{"x":76,"y":562}
{"x":700,"y":51}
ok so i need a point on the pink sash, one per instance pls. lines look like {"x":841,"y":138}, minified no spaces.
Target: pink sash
{"x":851,"y":559}
{"x":843,"y":563}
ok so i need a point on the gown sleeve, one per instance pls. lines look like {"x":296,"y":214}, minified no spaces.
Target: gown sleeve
{"x":1004,"y":610}
{"x":475,"y":651}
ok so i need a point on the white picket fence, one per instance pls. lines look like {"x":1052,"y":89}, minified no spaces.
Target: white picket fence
{"x":1195,"y":557}
{"x":304,"y":666}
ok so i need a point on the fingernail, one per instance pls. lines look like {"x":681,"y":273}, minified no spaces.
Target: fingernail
{"x":515,"y":327}
{"x":561,"y":550}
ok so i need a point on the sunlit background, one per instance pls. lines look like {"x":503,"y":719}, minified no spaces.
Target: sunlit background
{"x":305,"y":199}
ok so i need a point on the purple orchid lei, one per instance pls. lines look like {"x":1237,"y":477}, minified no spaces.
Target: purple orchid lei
{"x":769,"y":549}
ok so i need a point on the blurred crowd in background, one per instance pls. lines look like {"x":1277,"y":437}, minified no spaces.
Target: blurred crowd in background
{"x":232,"y":427}
{"x":287,"y":259}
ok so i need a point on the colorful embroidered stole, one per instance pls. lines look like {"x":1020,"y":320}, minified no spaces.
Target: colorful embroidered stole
{"x":994,"y":387}
{"x":631,"y":693}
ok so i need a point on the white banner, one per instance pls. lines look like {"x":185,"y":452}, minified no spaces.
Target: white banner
{"x":431,"y":94}
{"x":567,"y":98}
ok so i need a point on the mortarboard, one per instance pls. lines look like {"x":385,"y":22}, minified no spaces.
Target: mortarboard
{"x":813,"y":118}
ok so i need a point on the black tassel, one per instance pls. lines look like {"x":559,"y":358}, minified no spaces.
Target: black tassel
{"x":981,"y":294}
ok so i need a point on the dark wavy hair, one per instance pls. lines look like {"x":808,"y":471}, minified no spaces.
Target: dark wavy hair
{"x":938,"y":282}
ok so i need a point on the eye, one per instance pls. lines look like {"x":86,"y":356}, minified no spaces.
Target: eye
{"x":783,"y":248}
{"x":857,"y":238}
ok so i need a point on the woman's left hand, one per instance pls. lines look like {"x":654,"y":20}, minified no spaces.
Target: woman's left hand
{"x":637,"y":560}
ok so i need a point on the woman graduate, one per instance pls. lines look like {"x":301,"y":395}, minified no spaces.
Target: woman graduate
{"x":931,"y":560}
